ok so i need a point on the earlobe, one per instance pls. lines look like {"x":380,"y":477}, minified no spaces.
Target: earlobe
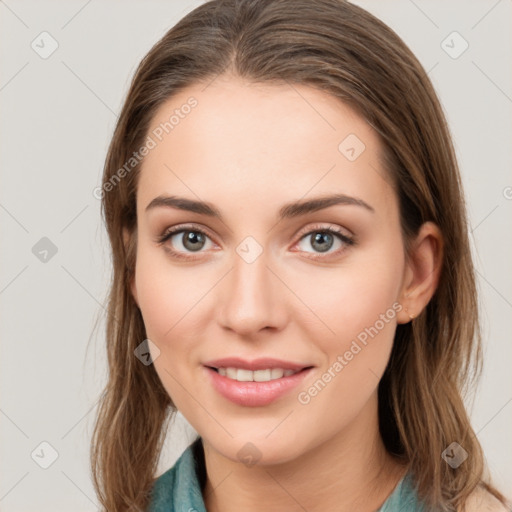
{"x":422,"y":272}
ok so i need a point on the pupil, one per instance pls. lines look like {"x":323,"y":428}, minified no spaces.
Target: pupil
{"x":319,"y":237}
{"x":193,"y":237}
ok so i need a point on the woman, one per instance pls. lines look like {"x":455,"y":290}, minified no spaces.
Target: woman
{"x":291,"y":272}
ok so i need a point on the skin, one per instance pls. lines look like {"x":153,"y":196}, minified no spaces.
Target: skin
{"x":248,"y":149}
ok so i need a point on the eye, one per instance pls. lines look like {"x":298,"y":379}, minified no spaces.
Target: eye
{"x":183,"y":240}
{"x":322,"y":239}
{"x":186,"y":240}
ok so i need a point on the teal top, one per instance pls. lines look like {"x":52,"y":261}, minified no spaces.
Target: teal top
{"x":180,"y":488}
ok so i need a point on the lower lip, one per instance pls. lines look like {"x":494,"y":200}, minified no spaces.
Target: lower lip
{"x":254,"y":394}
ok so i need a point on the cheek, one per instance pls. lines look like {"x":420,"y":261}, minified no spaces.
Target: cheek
{"x":353,"y":297}
{"x":165,"y":293}
{"x":358,"y":306}
{"x":362,"y":313}
{"x":168,"y":300}
{"x":156,"y":300}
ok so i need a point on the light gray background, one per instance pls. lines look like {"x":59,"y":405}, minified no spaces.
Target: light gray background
{"x":56,"y":121}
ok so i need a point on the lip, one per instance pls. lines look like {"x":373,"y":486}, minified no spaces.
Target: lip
{"x":261,"y":363}
{"x":255,"y":394}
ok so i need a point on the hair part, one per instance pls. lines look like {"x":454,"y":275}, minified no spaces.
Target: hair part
{"x":343,"y":50}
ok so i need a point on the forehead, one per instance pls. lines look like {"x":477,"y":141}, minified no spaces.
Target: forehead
{"x":237,"y":139}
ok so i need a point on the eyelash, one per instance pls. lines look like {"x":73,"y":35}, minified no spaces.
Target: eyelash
{"x":346,"y":240}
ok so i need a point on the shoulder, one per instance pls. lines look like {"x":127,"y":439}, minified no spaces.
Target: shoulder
{"x":481,"y":500}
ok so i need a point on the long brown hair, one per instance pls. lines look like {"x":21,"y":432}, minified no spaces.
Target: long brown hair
{"x":348,"y":53}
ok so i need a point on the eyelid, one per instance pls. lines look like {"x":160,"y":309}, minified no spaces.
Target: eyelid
{"x":318,"y":227}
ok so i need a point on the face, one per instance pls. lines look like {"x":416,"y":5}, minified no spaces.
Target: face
{"x":315,"y":288}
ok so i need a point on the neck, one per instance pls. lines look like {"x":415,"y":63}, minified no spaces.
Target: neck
{"x":350,"y":471}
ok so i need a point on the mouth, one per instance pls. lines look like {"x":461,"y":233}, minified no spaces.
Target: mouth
{"x":264,"y":383}
{"x":263,"y":375}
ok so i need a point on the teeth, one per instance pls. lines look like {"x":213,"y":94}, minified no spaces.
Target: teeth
{"x":263,"y":375}
{"x":243,"y":375}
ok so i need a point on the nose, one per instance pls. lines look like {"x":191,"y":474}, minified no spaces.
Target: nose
{"x":252,"y":298}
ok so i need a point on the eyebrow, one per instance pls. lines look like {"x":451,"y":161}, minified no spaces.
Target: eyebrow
{"x":288,"y":211}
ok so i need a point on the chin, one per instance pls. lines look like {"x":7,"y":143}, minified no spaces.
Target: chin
{"x":260,"y":450}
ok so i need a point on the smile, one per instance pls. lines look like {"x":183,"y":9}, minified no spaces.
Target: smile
{"x":243,"y":375}
{"x":243,"y":387}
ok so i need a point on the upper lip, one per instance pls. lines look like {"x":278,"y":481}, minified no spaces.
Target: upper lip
{"x":256,"y":364}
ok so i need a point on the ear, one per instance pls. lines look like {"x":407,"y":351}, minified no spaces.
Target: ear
{"x":422,"y":271}
{"x":127,"y":241}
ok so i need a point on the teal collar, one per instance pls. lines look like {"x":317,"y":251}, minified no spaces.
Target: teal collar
{"x":180,"y":488}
